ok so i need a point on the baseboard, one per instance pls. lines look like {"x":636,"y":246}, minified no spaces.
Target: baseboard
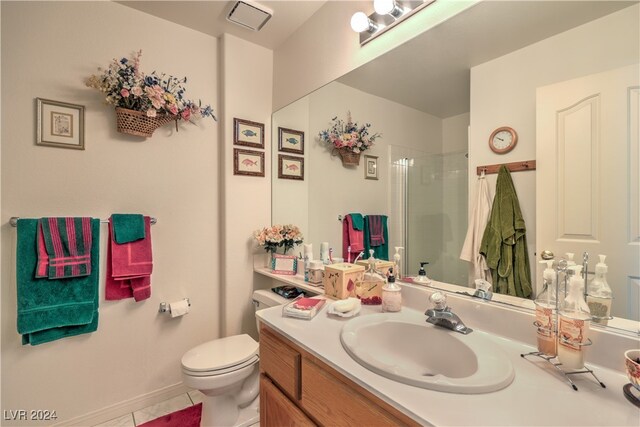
{"x":127,"y":406}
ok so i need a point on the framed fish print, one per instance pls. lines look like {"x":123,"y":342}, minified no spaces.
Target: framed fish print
{"x":290,"y":141}
{"x":59,"y":124}
{"x":290,"y":167}
{"x":248,"y":133}
{"x":248,"y":162}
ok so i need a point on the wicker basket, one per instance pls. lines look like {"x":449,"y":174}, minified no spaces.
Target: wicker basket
{"x":137,"y":123}
{"x":349,"y":158}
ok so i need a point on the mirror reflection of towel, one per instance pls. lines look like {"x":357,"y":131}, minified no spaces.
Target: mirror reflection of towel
{"x":381,"y":250}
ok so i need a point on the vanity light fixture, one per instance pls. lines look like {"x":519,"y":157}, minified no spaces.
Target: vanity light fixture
{"x":388,"y":13}
{"x":361,"y":23}
{"x":388,"y":7}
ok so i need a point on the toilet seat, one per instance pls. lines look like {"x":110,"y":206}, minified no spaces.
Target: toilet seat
{"x":220,"y":356}
{"x":226,"y":370}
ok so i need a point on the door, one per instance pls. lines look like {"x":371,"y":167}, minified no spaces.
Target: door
{"x":587,"y":182}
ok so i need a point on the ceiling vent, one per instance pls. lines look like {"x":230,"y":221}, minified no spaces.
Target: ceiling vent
{"x":249,"y":15}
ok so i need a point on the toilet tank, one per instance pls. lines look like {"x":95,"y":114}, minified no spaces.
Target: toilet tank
{"x":265,"y":298}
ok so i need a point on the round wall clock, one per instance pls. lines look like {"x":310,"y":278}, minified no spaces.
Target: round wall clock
{"x":503,"y":140}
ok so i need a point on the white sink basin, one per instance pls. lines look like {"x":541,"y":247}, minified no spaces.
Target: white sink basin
{"x":403,"y":347}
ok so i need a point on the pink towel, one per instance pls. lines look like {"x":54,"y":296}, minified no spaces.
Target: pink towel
{"x":351,"y":237}
{"x":129,"y":267}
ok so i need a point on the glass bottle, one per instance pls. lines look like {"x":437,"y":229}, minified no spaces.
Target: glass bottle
{"x":546,"y":306}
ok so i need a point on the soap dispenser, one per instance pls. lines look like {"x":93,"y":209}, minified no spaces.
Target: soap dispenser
{"x":422,"y":275}
{"x":546,"y":305}
{"x":599,"y":294}
{"x":397,"y":260}
{"x":391,"y":294}
{"x":369,"y":290}
{"x":574,"y":322}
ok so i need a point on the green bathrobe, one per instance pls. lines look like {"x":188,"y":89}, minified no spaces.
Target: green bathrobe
{"x":504,"y":243}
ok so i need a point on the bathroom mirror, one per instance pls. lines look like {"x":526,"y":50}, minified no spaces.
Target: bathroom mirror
{"x":436,"y":99}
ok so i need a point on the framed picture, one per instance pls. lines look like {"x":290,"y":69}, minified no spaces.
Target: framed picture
{"x":284,"y":264}
{"x":248,"y":162}
{"x":290,"y":167}
{"x":370,"y":167}
{"x":59,"y":124}
{"x":290,"y":141}
{"x":248,"y":133}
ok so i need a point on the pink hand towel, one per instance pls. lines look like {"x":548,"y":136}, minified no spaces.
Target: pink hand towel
{"x":64,"y":247}
{"x":351,"y":237}
{"x":129,"y":267}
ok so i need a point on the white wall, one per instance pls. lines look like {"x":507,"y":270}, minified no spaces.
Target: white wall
{"x":325,"y":47}
{"x":247,"y":75}
{"x":47,"y":50}
{"x":503,"y":93}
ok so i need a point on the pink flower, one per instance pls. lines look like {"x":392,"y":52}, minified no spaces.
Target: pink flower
{"x":124,"y":93}
{"x":157,"y":103}
{"x":151,"y":112}
{"x":158,"y":90}
{"x":137,"y":91}
{"x":186,"y":114}
{"x":173,"y":109}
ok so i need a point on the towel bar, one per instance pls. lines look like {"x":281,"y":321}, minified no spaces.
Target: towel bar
{"x":13,"y":221}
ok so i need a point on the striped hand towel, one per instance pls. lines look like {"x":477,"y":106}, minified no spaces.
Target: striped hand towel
{"x":64,"y":247}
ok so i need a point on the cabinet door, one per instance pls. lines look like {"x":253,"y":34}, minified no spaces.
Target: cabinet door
{"x":278,"y":411}
{"x":280,"y":362}
{"x":333,"y":403}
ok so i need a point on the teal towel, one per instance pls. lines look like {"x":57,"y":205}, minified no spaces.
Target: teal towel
{"x":382,"y":251}
{"x":357,"y":221}
{"x":127,"y":227}
{"x":52,"y":309}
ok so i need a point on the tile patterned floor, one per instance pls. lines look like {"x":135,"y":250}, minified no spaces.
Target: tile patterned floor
{"x":152,"y":412}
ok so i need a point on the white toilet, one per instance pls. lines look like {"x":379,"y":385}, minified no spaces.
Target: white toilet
{"x":226,"y":372}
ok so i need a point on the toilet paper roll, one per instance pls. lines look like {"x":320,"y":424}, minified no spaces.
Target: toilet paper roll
{"x":308,"y":248}
{"x":179,"y":308}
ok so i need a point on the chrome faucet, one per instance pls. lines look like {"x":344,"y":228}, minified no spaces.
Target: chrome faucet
{"x":441,"y":315}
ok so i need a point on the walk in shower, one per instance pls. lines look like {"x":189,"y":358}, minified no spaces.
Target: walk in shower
{"x":428,"y":211}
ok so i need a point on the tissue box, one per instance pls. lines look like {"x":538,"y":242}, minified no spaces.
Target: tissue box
{"x":381,"y":266}
{"x":340,"y":279}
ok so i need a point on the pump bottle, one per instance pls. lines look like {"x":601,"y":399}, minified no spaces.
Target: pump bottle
{"x":397,"y":260}
{"x":546,"y":305}
{"x":599,"y":294}
{"x":574,"y":322}
{"x":391,"y":294}
{"x":422,"y":275}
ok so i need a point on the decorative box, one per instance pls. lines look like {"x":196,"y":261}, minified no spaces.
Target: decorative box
{"x":340,"y":279}
{"x":381,"y":266}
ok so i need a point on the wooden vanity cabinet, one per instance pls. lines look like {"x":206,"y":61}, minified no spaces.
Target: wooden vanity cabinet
{"x":296,"y":388}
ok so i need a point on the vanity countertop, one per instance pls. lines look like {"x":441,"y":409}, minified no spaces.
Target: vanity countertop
{"x":538,"y":395}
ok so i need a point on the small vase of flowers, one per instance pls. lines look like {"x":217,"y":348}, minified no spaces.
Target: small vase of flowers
{"x":348,"y":139}
{"x":145,"y":102}
{"x":284,"y":236}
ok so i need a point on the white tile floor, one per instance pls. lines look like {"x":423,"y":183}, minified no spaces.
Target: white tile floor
{"x":152,"y":412}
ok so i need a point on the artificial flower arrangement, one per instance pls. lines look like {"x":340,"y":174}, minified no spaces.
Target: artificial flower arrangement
{"x":286,"y":236}
{"x":348,"y":135}
{"x":153,"y":95}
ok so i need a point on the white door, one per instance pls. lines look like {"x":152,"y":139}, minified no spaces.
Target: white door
{"x":587,"y":181}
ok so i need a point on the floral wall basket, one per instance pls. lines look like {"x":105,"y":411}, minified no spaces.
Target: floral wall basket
{"x":348,"y":139}
{"x":145,"y":102}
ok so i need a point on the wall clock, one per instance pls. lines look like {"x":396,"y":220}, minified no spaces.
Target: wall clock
{"x":503,"y":140}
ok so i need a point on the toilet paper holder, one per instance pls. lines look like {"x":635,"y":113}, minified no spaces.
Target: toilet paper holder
{"x":164,"y":307}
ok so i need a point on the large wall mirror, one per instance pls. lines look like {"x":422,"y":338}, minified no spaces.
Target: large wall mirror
{"x":533,"y":66}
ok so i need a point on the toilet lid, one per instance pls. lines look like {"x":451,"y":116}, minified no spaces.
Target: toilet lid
{"x":221,"y":353}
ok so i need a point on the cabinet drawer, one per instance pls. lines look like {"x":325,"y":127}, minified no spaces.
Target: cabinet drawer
{"x":277,"y":410}
{"x":280,"y":362}
{"x":331,"y":402}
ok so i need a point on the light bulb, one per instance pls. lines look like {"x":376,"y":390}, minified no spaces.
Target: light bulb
{"x":360,"y":22}
{"x":382,"y":7}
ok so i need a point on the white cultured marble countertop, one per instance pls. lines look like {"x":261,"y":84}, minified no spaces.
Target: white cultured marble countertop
{"x":538,"y":396}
